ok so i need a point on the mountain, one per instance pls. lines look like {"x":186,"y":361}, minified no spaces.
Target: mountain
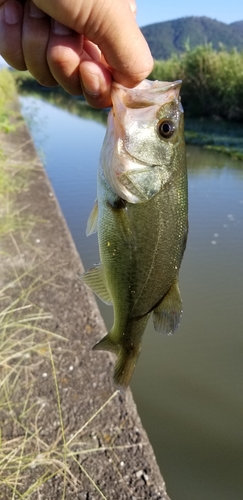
{"x":238,"y":27}
{"x":170,"y":37}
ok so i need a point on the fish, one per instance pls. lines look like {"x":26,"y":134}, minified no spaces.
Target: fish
{"x":141,"y":217}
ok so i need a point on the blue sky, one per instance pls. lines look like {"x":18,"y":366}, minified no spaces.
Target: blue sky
{"x":154,"y":11}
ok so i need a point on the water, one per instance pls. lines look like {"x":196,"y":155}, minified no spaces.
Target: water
{"x":188,"y":387}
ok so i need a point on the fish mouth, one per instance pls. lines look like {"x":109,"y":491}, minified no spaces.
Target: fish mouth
{"x":146,"y":94}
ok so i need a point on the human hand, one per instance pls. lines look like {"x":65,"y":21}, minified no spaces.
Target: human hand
{"x":80,"y":44}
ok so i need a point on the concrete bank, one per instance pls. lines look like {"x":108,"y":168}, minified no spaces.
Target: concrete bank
{"x":64,"y":389}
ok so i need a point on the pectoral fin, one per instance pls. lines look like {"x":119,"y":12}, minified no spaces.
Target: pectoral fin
{"x":167,"y":315}
{"x":94,"y":278}
{"x":142,"y":184}
{"x":92,"y":220}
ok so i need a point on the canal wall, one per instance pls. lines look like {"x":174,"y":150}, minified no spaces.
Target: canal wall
{"x":92,"y":434}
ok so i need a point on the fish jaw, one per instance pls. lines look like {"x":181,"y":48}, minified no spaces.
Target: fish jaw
{"x":132,"y":143}
{"x":147,"y":93}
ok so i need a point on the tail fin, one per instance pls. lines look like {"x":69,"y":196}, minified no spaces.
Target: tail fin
{"x":126,"y":360}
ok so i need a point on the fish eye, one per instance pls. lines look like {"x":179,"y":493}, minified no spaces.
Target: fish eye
{"x":166,"y":128}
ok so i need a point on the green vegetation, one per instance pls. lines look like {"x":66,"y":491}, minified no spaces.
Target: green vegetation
{"x":212,"y":96}
{"x":10,"y":181}
{"x":212,"y":81}
{"x":7,"y":90}
{"x":172,"y":37}
{"x":219,"y":135}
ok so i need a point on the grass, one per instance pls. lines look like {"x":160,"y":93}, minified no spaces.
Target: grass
{"x":7,"y":91}
{"x":19,"y":325}
{"x":216,"y":135}
{"x":13,"y":176}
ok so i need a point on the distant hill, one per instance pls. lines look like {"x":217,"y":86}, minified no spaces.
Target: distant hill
{"x":238,"y":27}
{"x":170,"y":37}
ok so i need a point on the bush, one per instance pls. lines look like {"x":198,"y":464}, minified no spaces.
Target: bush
{"x":212,"y":81}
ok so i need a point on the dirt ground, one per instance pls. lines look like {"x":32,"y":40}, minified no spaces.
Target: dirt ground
{"x":111,"y":452}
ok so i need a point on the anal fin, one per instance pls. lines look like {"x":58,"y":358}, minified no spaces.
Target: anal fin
{"x":167,"y":315}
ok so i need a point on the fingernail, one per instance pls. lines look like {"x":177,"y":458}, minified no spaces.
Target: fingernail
{"x":36,"y":12}
{"x":12,"y":12}
{"x":91,"y":84}
{"x":61,"y":29}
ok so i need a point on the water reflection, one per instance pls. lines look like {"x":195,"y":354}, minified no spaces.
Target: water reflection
{"x":188,"y":387}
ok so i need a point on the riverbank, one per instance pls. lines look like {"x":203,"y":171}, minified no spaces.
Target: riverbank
{"x":66,"y":433}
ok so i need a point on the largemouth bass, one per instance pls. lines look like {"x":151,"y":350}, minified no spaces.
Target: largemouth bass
{"x":141,"y":217}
